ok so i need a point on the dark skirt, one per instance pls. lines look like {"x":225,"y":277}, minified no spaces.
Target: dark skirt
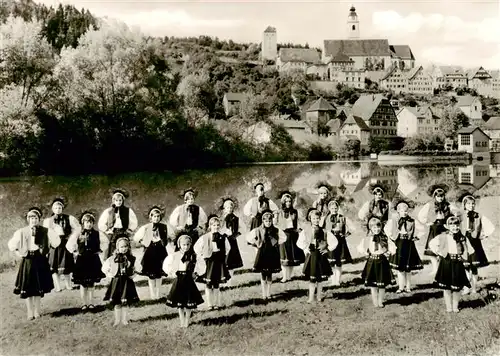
{"x":61,"y":261}
{"x":478,"y":258}
{"x":117,"y":233}
{"x":341,"y":255}
{"x":152,"y":260}
{"x":216,"y":272}
{"x":451,"y":274}
{"x":267,"y":259}
{"x":184,"y":293}
{"x":256,"y":221}
{"x":290,"y":254}
{"x":121,"y":291}
{"x":88,"y":269}
{"x":317,"y":267}
{"x":34,"y":278}
{"x":233,"y":258}
{"x":406,"y":258}
{"x":377,"y":272}
{"x":434,"y":230}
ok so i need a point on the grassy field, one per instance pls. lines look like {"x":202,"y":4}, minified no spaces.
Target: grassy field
{"x":344,"y":324}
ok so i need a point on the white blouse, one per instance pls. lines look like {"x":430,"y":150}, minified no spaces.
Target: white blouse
{"x":145,"y":234}
{"x":72,"y":244}
{"x":175,"y":217}
{"x":249,"y":208}
{"x":306,"y":237}
{"x":73,"y":222}
{"x":103,"y":220}
{"x":22,"y":241}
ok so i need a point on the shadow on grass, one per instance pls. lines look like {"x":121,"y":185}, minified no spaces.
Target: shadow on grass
{"x":146,"y":302}
{"x":343,"y":295}
{"x":76,"y":311}
{"x":242,"y":285}
{"x":233,"y":318}
{"x":158,"y":317}
{"x":414,"y":298}
{"x":243,"y":271}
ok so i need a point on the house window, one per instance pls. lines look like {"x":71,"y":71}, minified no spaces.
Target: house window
{"x":465,"y":140}
{"x":466,"y":178}
{"x":353,"y":27}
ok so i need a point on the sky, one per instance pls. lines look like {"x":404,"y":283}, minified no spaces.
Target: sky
{"x":455,"y":32}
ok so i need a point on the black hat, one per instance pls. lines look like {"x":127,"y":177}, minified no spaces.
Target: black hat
{"x":123,"y":192}
{"x":437,"y":189}
{"x":188,"y":190}
{"x":88,"y":214}
{"x":225,"y":198}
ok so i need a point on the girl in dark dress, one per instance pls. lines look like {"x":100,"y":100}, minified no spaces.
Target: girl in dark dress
{"x":377,"y":273}
{"x":377,"y":207}
{"x":121,"y":291}
{"x":154,"y":237}
{"x":287,"y":221}
{"x":234,"y":227}
{"x":454,"y":249}
{"x":61,"y":261}
{"x":255,"y":207}
{"x":475,"y":227}
{"x":88,"y":267}
{"x":316,"y":243}
{"x":434,"y":214}
{"x":183,"y":295}
{"x":32,"y":244}
{"x":403,"y":229}
{"x":213,"y":248}
{"x":321,"y":203}
{"x":266,"y":238}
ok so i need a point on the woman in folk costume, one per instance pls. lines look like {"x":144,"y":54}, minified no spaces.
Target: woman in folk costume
{"x":341,"y":227}
{"x":287,"y":220}
{"x":403,"y":230}
{"x":118,"y":220}
{"x":434,"y":215}
{"x":316,"y":244}
{"x":88,"y":266}
{"x":32,"y":243}
{"x":121,"y":291}
{"x":188,"y":218}
{"x":154,"y":236}
{"x":183,"y":295}
{"x":213,"y":248}
{"x":378,"y":207}
{"x":321,"y":203}
{"x":61,"y":261}
{"x":377,"y":273}
{"x":267,"y":238}
{"x":475,"y":227}
{"x":234,"y":226}
{"x":256,"y":206}
{"x":454,"y":249}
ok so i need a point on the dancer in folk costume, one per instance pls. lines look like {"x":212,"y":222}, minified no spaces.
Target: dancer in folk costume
{"x":434,"y":214}
{"x":154,"y":236}
{"x":61,"y":261}
{"x":378,"y":207}
{"x":188,"y":218}
{"x":321,"y":203}
{"x":341,"y":227}
{"x":183,"y":295}
{"x":267,"y":238}
{"x":32,"y":243}
{"x":256,"y":206}
{"x":88,"y":266}
{"x":454,"y":249}
{"x":121,"y":291}
{"x":213,"y":248}
{"x":316,"y":243}
{"x":475,"y":227}
{"x":377,"y":273}
{"x":118,"y":220}
{"x":286,"y":219}
{"x":404,"y":231}
{"x":227,"y":206}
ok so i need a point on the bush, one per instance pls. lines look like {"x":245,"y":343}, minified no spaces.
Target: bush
{"x":424,"y":142}
{"x":318,"y":152}
{"x":378,"y":144}
{"x":423,"y":153}
{"x":349,"y":148}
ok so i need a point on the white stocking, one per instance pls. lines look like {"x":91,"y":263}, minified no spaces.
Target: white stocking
{"x":124,"y":315}
{"x":455,"y":297}
{"x":187,"y":317}
{"x":29,"y":307}
{"x":447,"y":300}
{"x":374,"y":294}
{"x":152,"y":285}
{"x":57,"y":283}
{"x":319,"y":291}
{"x":312,"y":288}
{"x":36,"y":304}
{"x":381,"y":297}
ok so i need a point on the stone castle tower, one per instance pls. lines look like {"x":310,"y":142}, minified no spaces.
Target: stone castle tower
{"x":352,"y":24}
{"x":269,"y":47}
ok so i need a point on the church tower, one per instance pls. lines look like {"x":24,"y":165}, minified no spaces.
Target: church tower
{"x":352,"y":24}
{"x":269,"y":47}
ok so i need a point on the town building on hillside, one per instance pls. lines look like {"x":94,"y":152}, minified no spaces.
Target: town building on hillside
{"x":378,"y":114}
{"x":232,"y":103}
{"x":472,"y":108}
{"x":387,"y":176}
{"x":492,"y":129}
{"x":334,"y":126}
{"x":297,"y":58}
{"x":298,"y":129}
{"x":417,"y":120}
{"x":480,"y":80}
{"x":355,"y":178}
{"x":402,"y":57}
{"x":269,"y":46}
{"x":448,"y":75}
{"x":419,"y":81}
{"x":474,"y":140}
{"x":343,"y":111}
{"x":355,"y":128}
{"x":495,"y":83}
{"x":394,"y":79}
{"x":319,"y":114}
{"x":473,"y":176}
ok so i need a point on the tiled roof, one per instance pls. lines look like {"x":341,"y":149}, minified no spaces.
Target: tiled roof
{"x":413,"y":72}
{"x":357,"y":47}
{"x":270,"y":29}
{"x":388,"y":73}
{"x":321,"y":105}
{"x":452,"y":70}
{"x":308,"y":55}
{"x":493,"y":123}
{"x":355,"y":120}
{"x":465,"y":100}
{"x":366,"y":105}
{"x":495,"y":74}
{"x":235,"y":96}
{"x":334,"y":125}
{"x":341,"y":57}
{"x":470,"y":129}
{"x":402,"y":51}
{"x":291,"y":124}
